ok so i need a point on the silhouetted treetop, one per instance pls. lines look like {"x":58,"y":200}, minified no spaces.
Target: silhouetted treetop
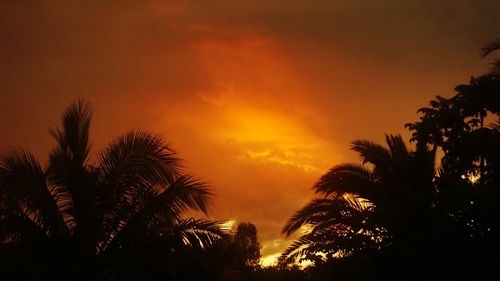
{"x":82,"y":217}
{"x":246,"y":245}
{"x":362,"y":208}
{"x":459,"y":126}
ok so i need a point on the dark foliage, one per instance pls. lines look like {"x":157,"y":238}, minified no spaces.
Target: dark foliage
{"x":245,"y":247}
{"x":437,"y":224}
{"x":119,"y":218}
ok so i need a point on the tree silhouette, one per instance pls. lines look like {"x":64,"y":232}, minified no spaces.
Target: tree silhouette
{"x":246,"y":246}
{"x":365,"y":207}
{"x":466,"y":128}
{"x":418,"y":222}
{"x":469,"y":178}
{"x":457,"y":125}
{"x":79,"y":214}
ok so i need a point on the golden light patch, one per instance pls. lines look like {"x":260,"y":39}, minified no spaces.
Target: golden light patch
{"x":228,"y":225}
{"x":251,"y":125}
{"x":267,"y":137}
{"x":269,"y":260}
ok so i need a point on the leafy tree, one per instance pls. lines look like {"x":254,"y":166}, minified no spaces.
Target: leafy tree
{"x":466,"y":129}
{"x":457,"y":125}
{"x":80,"y":216}
{"x":246,"y":246}
{"x":469,"y":175}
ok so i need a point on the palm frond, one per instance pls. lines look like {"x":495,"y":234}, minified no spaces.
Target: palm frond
{"x":347,"y":177}
{"x":490,"y":47}
{"x":73,"y":139}
{"x":495,"y":126}
{"x":357,"y":203}
{"x":132,"y":169}
{"x":65,"y":205}
{"x":305,"y":215}
{"x":185,"y":193}
{"x":158,"y":210}
{"x":25,"y":189}
{"x":138,"y":159}
{"x":324,"y":213}
{"x":199,"y":234}
{"x":372,"y":153}
{"x":397,"y":147}
{"x":297,"y":249}
{"x":16,"y":226}
{"x":335,"y":241}
{"x":68,"y":175}
{"x":495,"y":69}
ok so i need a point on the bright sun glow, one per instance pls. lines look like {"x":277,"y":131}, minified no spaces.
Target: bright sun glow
{"x":266,"y":136}
{"x":228,"y":225}
{"x":255,"y":126}
{"x":269,"y":260}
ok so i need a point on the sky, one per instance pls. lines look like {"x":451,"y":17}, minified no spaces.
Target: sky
{"x":259,"y":98}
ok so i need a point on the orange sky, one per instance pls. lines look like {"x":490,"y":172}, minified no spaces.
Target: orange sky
{"x":259,"y":97}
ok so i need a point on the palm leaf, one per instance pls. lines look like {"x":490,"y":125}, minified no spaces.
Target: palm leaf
{"x":371,"y":152}
{"x":73,"y":139}
{"x":336,"y":241}
{"x":16,"y":226}
{"x":347,"y":177}
{"x":25,"y":189}
{"x":158,"y":210}
{"x":132,"y":170}
{"x":375,"y":154}
{"x":324,"y":213}
{"x":70,"y":179}
{"x":137,"y":160}
{"x":307,"y":214}
{"x":196,"y":233}
{"x":185,"y":193}
{"x":399,"y":150}
{"x":490,"y":47}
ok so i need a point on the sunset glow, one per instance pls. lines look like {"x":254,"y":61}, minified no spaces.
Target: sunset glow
{"x":259,"y":99}
{"x":267,"y":137}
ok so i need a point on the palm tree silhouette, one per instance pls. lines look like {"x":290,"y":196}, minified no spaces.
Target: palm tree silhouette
{"x":135,"y":195}
{"x":489,"y":48}
{"x":366,"y":206}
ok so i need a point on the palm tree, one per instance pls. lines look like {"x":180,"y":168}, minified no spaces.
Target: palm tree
{"x":133,"y":198}
{"x":364,"y":207}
